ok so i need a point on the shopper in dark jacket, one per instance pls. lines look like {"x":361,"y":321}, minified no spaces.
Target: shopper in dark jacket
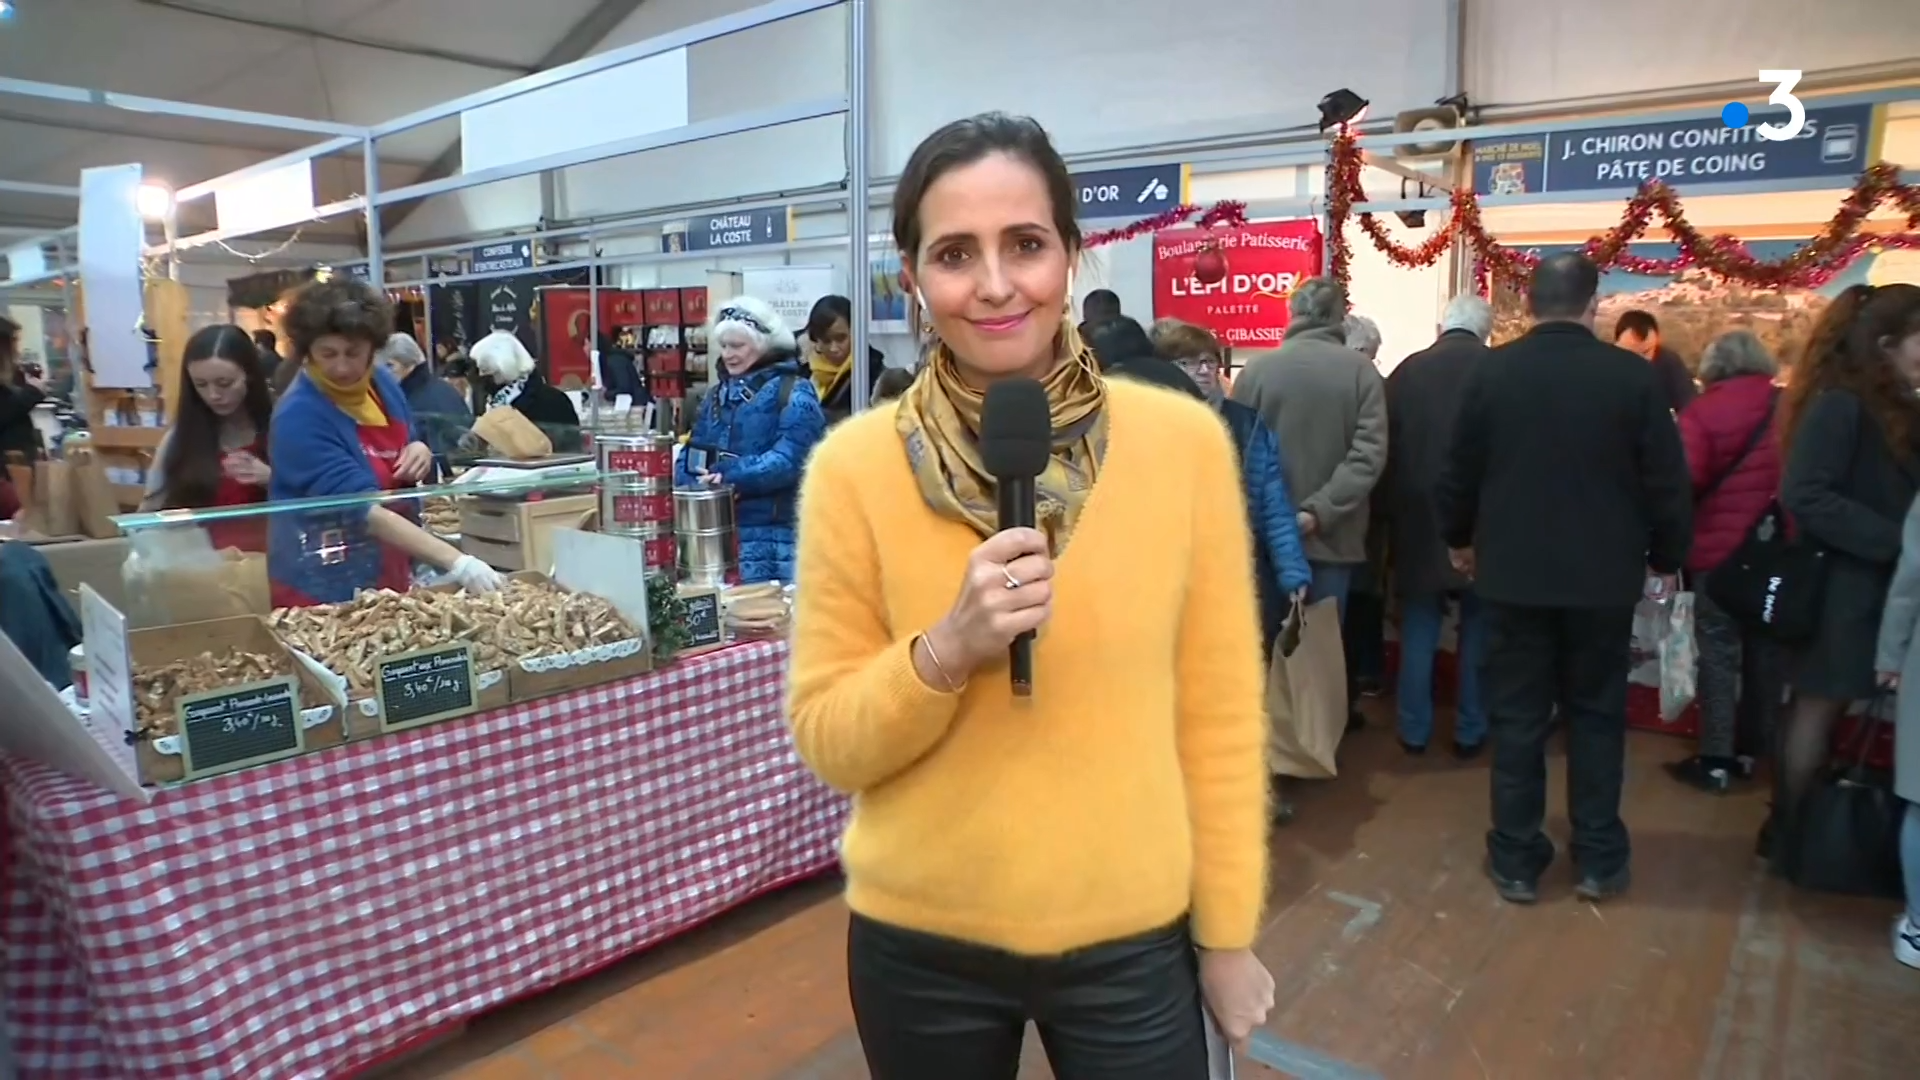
{"x":1638,"y":332}
{"x":830,"y":357}
{"x":1850,"y":424}
{"x":18,"y":397}
{"x":1734,"y":457}
{"x":440,"y":413}
{"x":1124,"y":350}
{"x":1423,"y":398}
{"x":515,"y":380}
{"x":1564,"y":490}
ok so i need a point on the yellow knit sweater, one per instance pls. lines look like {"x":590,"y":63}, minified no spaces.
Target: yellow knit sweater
{"x":1130,"y":787}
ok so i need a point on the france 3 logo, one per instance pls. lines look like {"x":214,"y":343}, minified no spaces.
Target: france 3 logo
{"x":1736,"y":114}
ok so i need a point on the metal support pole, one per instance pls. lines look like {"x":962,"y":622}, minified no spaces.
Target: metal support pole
{"x":376,"y":260}
{"x":861,"y":270}
{"x":596,"y":377}
{"x":170,"y":229}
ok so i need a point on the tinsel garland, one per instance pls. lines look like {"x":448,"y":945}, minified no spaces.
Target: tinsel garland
{"x":1224,"y":214}
{"x":1809,"y":266}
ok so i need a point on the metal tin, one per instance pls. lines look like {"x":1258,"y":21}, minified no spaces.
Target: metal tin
{"x":703,"y":509}
{"x":619,"y":506}
{"x":708,"y":547}
{"x":648,"y":455}
{"x":661,"y":554}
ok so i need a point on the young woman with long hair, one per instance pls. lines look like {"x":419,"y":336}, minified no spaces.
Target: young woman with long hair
{"x":1055,"y":857}
{"x":1850,"y":429}
{"x":18,"y":397}
{"x":216,"y":452}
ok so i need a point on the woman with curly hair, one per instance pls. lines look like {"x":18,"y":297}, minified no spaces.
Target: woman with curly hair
{"x":344,"y":429}
{"x":1850,"y":428}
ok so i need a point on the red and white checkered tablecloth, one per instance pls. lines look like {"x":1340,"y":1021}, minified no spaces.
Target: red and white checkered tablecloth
{"x":304,"y":919}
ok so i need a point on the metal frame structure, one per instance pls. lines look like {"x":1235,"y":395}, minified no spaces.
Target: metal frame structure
{"x":1215,"y":153}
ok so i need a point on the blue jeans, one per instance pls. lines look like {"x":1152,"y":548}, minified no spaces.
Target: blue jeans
{"x":1910,"y":860}
{"x":1420,"y":619}
{"x":1331,"y":580}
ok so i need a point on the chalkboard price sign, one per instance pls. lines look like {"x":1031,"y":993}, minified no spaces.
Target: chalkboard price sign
{"x":240,"y":726}
{"x":426,"y":686}
{"x":703,"y":619}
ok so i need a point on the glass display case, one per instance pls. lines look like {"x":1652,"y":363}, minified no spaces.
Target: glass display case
{"x":361,"y":615}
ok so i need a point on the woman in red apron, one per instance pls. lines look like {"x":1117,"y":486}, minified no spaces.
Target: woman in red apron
{"x":215,"y":455}
{"x":342,"y":430}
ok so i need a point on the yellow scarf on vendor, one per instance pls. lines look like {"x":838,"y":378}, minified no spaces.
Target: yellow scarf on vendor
{"x":939,"y":417}
{"x":356,"y":399}
{"x":827,"y":375}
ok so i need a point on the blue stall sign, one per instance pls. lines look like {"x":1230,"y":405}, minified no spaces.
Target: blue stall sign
{"x":1131,"y":193}
{"x":1834,"y":143}
{"x":744,"y":228}
{"x":498,"y":258}
{"x":356,"y":271}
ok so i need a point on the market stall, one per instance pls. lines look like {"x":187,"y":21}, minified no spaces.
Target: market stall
{"x":336,"y":773}
{"x":313,"y":916}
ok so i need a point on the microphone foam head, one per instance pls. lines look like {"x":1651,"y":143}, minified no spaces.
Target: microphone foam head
{"x":1016,"y":428}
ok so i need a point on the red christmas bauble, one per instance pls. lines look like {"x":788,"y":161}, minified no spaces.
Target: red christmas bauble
{"x":1209,"y":267}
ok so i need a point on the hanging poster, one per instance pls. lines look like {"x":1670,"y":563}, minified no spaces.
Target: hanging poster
{"x":1247,"y":308}
{"x":1695,"y":307}
{"x":791,"y":290}
{"x":887,"y":287}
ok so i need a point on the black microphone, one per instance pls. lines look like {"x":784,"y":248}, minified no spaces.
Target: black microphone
{"x":1016,"y":438}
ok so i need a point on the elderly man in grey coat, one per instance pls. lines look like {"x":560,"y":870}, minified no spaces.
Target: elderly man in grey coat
{"x":1328,"y":405}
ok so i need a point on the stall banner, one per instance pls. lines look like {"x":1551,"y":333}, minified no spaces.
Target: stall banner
{"x":566,"y":322}
{"x":743,"y":228}
{"x":499,"y":258}
{"x":357,"y":271}
{"x":1130,"y":193}
{"x":1247,"y":308}
{"x":1835,"y":143}
{"x":791,"y":290}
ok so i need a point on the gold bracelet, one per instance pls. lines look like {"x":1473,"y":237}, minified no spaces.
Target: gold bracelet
{"x":952,"y":686}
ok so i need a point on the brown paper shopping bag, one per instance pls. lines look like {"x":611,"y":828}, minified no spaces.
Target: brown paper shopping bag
{"x":512,"y":435}
{"x":94,"y":503}
{"x":1307,"y":696}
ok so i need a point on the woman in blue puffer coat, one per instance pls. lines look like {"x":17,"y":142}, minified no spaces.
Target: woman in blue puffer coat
{"x":753,"y":432}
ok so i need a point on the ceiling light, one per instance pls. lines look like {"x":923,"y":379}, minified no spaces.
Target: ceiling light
{"x":6,"y":10}
{"x":1342,"y":107}
{"x":154,"y":200}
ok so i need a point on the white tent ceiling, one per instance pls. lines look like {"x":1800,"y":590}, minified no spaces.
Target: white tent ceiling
{"x":353,"y":61}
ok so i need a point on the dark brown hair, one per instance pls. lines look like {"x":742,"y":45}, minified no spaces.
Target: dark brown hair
{"x":338,"y":306}
{"x":191,"y":472}
{"x":9,"y":350}
{"x":1845,"y":352}
{"x":965,"y":142}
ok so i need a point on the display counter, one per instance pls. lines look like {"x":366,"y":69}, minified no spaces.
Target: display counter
{"x":311,"y":916}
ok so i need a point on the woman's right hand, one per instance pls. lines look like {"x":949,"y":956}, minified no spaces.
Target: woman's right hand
{"x":1007,"y":591}
{"x":1887,"y":680}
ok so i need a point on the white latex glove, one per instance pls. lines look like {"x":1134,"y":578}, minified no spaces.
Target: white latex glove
{"x":473,"y":575}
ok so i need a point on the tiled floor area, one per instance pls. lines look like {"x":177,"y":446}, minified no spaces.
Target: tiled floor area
{"x":1393,"y":957}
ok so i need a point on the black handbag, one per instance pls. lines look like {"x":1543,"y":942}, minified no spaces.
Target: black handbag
{"x":1847,"y":834}
{"x":1773,"y":581}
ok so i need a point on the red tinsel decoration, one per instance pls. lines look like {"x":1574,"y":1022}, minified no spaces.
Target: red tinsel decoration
{"x":1225,"y":214}
{"x":1811,"y":265}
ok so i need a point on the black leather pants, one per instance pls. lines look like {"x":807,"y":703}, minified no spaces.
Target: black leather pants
{"x":929,"y":1008}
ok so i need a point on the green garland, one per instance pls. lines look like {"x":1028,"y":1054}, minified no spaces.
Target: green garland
{"x":666,"y":618}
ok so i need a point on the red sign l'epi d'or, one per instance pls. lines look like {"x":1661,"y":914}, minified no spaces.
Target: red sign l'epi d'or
{"x":1266,"y":261}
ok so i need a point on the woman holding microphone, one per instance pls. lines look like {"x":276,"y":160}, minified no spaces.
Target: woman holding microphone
{"x":1093,"y":857}
{"x":344,"y":429}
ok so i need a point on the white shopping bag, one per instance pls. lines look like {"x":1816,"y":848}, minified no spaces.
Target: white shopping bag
{"x":1679,"y":657}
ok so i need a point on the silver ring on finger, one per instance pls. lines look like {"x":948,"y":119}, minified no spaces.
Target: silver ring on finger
{"x":1012,"y":582}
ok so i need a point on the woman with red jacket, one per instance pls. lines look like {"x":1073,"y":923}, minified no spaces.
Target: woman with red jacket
{"x":1733,"y":453}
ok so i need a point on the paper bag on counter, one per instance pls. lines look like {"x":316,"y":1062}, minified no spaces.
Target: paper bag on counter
{"x":94,"y":505}
{"x":512,"y":435}
{"x":47,"y":506}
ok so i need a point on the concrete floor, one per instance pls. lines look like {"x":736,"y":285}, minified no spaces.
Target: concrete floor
{"x":1393,"y":958}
